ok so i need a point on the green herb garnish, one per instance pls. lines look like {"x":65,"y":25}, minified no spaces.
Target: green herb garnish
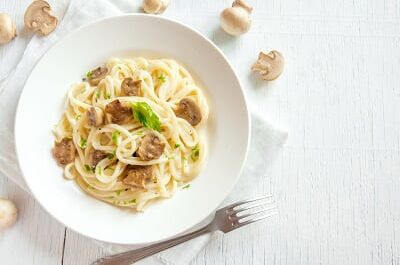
{"x":89,"y":74}
{"x":186,"y":187}
{"x":132,"y":201}
{"x":97,"y":94}
{"x":177,"y":145}
{"x":77,"y":117}
{"x":83,"y":143}
{"x":195,"y":153}
{"x":146,"y":116}
{"x":115,"y":136}
{"x":88,"y":168}
{"x":108,"y":96}
{"x":161,"y":78}
{"x":111,"y":155}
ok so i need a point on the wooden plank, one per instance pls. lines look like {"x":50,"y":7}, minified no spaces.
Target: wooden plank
{"x":36,"y":238}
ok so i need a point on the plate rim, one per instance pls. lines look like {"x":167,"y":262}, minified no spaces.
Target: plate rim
{"x":168,"y":20}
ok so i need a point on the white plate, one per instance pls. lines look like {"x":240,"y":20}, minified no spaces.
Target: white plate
{"x":42,"y":102}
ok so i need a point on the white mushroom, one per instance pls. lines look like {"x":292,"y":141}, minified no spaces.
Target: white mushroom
{"x":155,"y":6}
{"x":39,"y":17}
{"x":8,"y":30}
{"x":269,"y":65}
{"x":8,"y":213}
{"x":235,"y":20}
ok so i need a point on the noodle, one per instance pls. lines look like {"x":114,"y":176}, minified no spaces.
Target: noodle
{"x":164,"y":83}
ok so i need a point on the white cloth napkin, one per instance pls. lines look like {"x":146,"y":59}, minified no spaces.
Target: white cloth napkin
{"x":266,"y":139}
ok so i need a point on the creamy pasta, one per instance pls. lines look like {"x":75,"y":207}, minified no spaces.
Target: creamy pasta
{"x":130,"y":131}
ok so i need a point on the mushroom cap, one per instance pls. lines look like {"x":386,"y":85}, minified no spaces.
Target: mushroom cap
{"x":269,"y":65}
{"x":8,"y":213}
{"x":235,"y":20}
{"x":7,"y":28}
{"x":39,"y":17}
{"x":155,"y":6}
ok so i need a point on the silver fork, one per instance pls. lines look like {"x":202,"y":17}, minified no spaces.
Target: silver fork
{"x":226,"y":219}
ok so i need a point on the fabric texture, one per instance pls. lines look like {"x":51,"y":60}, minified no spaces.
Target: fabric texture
{"x":266,"y":139}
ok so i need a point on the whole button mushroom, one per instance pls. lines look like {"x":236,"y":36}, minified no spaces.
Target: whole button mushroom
{"x":269,"y":65}
{"x":8,"y":30}
{"x":235,"y":20}
{"x":155,"y":6}
{"x":39,"y":17}
{"x":8,"y":213}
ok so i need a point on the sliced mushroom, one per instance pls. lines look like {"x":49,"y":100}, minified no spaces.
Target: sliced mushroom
{"x":150,"y":148}
{"x":95,"y":156}
{"x":119,"y":114}
{"x":96,"y":75}
{"x":130,"y":87}
{"x":137,"y":176}
{"x":95,"y":116}
{"x":269,"y":65}
{"x":188,"y":110}
{"x":64,"y":152}
{"x":39,"y":17}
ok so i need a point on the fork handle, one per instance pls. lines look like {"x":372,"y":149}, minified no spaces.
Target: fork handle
{"x":127,"y":258}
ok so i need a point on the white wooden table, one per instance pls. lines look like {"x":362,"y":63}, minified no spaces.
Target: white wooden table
{"x":338,"y":179}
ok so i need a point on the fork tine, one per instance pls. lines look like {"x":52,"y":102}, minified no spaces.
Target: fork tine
{"x":230,"y":207}
{"x":240,"y":224}
{"x":241,"y":217}
{"x":251,"y":206}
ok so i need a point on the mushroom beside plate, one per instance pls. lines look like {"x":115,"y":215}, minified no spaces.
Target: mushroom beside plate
{"x":42,"y":102}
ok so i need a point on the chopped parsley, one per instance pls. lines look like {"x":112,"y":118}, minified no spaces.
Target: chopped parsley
{"x":97,"y":94}
{"x":161,"y":78}
{"x":88,"y":168}
{"x":132,"y":201}
{"x":111,"y":155}
{"x":195,"y":153}
{"x":146,"y":116}
{"x":77,"y":117}
{"x":89,"y":74}
{"x":187,"y":186}
{"x":115,"y":136}
{"x":108,"y":96}
{"x":83,"y":143}
{"x":177,"y":145}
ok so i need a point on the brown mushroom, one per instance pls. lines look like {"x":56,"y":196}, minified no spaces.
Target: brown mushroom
{"x":95,"y":116}
{"x":64,"y":152}
{"x":130,"y":87}
{"x":39,"y":17}
{"x":95,"y":156}
{"x":119,"y":114}
{"x":150,"y":148}
{"x":137,"y":176}
{"x":269,"y":65}
{"x":96,"y":75}
{"x":188,"y":110}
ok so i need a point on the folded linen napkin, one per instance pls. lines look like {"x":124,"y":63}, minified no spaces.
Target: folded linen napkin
{"x":266,"y":139}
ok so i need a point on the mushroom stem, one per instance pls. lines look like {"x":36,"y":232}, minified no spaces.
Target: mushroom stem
{"x":242,"y":4}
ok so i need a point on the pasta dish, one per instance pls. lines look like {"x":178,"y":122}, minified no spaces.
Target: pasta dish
{"x":130,"y":131}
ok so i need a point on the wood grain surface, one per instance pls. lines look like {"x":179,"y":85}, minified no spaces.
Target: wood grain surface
{"x":338,"y":178}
